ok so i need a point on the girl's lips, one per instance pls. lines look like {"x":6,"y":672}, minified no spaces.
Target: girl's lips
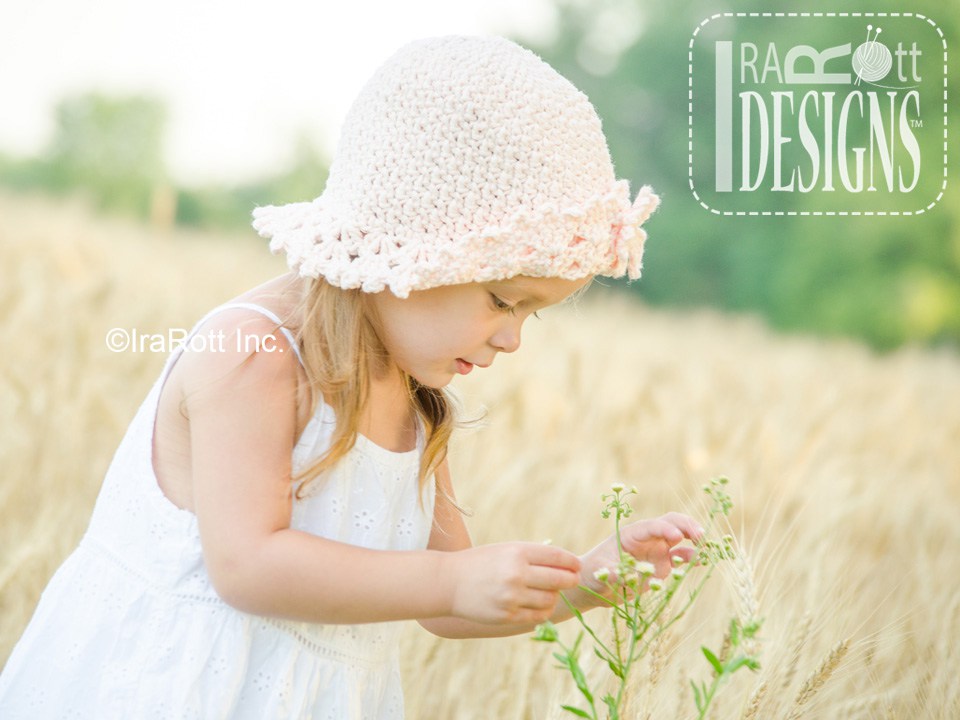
{"x":463,"y":367}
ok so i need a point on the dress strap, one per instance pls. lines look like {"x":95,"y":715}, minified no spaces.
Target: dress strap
{"x":228,"y":306}
{"x":268,"y":313}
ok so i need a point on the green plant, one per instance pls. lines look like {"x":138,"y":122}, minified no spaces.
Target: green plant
{"x":642,"y":609}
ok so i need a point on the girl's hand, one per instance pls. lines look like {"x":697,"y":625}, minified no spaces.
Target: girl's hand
{"x":511,"y":582}
{"x":656,"y":541}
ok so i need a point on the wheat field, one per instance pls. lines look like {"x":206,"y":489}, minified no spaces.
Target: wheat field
{"x":844,"y":467}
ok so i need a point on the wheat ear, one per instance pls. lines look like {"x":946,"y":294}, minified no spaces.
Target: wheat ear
{"x":818,"y":677}
{"x":756,"y":699}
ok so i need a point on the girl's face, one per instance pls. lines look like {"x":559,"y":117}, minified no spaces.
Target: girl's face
{"x":435,"y":334}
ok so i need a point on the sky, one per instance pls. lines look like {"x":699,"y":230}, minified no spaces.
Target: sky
{"x":240,"y":78}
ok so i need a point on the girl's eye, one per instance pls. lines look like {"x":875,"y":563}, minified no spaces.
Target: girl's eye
{"x":502,"y":305}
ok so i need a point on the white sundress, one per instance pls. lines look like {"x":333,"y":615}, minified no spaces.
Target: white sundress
{"x":130,"y":627}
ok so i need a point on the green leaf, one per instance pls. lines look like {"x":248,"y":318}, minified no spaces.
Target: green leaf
{"x":577,"y":614}
{"x":734,"y":632}
{"x":580,"y":679}
{"x":712,"y":659}
{"x":735,"y":664}
{"x":576,"y":711}
{"x":615,"y":669}
{"x":697,"y":697}
{"x":611,"y":704}
{"x":607,"y":659}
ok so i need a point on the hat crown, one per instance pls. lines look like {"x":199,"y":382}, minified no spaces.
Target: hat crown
{"x":458,"y":133}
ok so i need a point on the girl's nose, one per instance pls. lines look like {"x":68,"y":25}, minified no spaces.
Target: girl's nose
{"x":507,"y":338}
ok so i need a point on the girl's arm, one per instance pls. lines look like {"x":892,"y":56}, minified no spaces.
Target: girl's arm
{"x":655,"y":540}
{"x":242,"y":416}
{"x":450,"y":535}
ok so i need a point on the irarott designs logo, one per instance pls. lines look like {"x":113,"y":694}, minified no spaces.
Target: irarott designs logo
{"x":818,"y":114}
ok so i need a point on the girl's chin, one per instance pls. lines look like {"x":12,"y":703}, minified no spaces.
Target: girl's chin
{"x":436,"y":383}
{"x":435,"y":380}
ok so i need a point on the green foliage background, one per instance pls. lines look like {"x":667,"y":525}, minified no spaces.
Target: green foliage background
{"x":110,"y":149}
{"x":885,"y":280}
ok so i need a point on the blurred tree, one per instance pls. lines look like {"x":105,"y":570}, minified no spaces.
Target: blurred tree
{"x":230,"y":208}
{"x":112,"y":148}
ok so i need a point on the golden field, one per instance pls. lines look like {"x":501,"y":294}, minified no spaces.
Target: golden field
{"x":844,"y":467}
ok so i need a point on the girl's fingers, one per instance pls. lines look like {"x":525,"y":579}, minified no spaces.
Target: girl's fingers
{"x":684,"y":523}
{"x":656,"y":529}
{"x":658,"y":540}
{"x":552,"y":556}
{"x":542,"y":577}
{"x":673,"y":527}
{"x":539,"y":600}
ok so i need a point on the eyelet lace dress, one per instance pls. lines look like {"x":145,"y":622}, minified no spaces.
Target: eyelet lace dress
{"x":130,"y":626}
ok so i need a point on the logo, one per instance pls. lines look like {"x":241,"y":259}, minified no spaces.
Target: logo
{"x":817,"y":114}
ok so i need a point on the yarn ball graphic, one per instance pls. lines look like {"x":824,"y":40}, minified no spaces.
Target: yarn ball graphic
{"x":872,"y":60}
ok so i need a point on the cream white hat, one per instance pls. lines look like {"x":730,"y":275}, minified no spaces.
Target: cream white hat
{"x":464,"y":159}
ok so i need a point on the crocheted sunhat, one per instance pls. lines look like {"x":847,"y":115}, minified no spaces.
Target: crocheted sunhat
{"x":464,"y":159}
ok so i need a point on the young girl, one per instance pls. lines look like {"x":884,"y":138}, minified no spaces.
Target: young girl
{"x":270,"y":513}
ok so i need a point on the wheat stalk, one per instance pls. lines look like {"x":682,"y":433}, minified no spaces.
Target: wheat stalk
{"x":656,"y":659}
{"x":724,"y":653}
{"x":658,"y":653}
{"x":746,"y":595}
{"x":756,"y":699}
{"x":819,"y":677}
{"x":799,"y":641}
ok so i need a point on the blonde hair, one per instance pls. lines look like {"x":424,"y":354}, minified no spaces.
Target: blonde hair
{"x":341,"y":347}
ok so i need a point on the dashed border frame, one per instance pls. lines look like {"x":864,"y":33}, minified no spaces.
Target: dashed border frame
{"x":715,"y":211}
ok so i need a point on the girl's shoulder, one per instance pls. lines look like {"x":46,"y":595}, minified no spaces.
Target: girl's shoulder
{"x":279,"y":300}
{"x":244,"y":345}
{"x":235,"y":350}
{"x":257,"y":328}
